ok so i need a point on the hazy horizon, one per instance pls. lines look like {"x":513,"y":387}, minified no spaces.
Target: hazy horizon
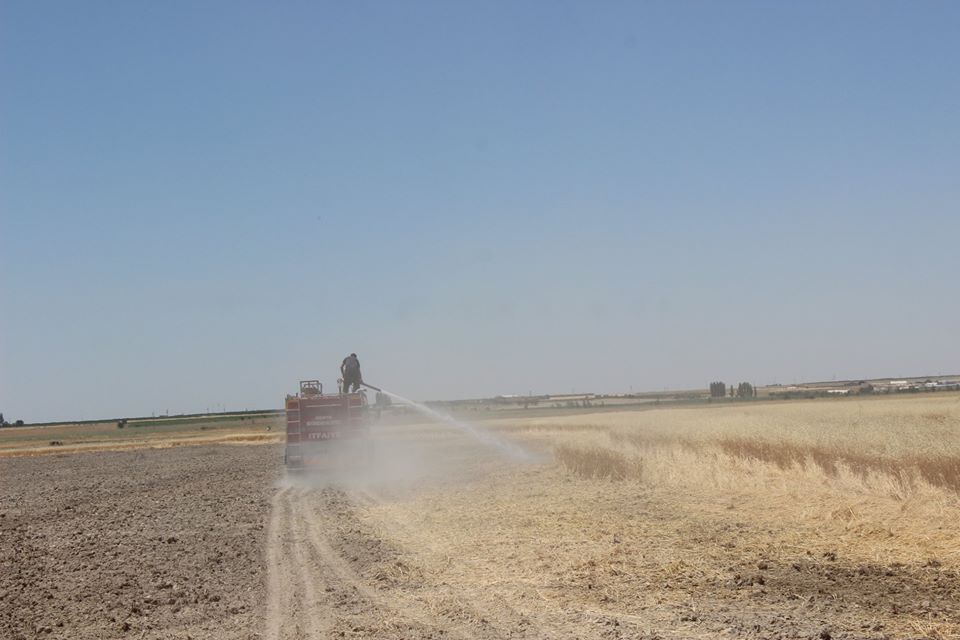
{"x":202,"y":204}
{"x":219,"y":408}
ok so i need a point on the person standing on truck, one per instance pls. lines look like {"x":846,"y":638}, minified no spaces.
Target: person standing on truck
{"x":350,"y":372}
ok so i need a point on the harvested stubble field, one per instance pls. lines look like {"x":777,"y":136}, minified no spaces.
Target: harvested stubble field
{"x":817,"y":519}
{"x":139,"y":434}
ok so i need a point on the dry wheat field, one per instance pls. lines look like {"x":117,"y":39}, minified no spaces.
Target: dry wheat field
{"x":800,"y":519}
{"x":808,"y":519}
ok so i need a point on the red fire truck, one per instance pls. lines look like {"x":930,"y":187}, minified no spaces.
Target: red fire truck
{"x":317,"y":422}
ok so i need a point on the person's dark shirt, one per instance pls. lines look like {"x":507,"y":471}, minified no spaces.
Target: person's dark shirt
{"x":351,"y":365}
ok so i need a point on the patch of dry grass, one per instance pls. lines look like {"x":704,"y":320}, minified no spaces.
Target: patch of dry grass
{"x":882,"y":475}
{"x":672,"y":518}
{"x":942,"y":471}
{"x":598,"y":462}
{"x":910,"y":441}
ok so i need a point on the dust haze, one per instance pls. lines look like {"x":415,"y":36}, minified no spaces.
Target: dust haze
{"x":399,"y":457}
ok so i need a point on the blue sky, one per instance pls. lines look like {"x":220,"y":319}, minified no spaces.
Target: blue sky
{"x":202,"y":203}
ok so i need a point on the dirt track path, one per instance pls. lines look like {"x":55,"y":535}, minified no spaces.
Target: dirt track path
{"x":330,"y":576}
{"x":313,"y":590}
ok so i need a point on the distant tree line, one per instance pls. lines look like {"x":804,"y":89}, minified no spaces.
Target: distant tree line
{"x":4,"y":423}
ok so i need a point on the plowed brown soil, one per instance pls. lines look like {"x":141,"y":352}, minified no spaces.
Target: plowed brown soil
{"x":154,"y":543}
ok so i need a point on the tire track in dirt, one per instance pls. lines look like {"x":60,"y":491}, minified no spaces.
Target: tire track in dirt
{"x":292,"y":605}
{"x":274,"y":568}
{"x":395,"y":607}
{"x":312,"y":591}
{"x":330,"y":577}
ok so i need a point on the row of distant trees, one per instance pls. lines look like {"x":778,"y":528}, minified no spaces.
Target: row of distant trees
{"x":742,"y":390}
{"x":4,"y":423}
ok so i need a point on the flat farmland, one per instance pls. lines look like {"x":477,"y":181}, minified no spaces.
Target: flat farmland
{"x":138,"y":434}
{"x":808,"y":519}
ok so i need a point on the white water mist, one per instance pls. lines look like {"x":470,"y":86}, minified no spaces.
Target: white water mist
{"x":481,"y":435}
